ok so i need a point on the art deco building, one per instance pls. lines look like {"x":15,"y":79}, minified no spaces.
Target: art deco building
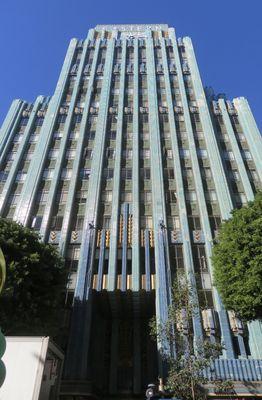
{"x":128,"y":169}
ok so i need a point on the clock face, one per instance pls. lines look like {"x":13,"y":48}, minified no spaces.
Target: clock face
{"x":149,"y":393}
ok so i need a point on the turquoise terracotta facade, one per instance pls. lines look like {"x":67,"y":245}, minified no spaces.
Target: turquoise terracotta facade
{"x":128,"y":169}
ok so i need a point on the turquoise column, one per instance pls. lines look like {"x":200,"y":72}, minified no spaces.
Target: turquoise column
{"x":255,"y":338}
{"x":187,"y":252}
{"x":219,"y":177}
{"x":251,"y":131}
{"x":69,"y":207}
{"x":22,"y":212}
{"x":20,"y":153}
{"x":112,"y":262}
{"x":248,"y":124}
{"x":91,"y":211}
{"x":254,"y":141}
{"x":79,"y":340}
{"x":10,"y":122}
{"x":9,"y":129}
{"x":158,"y":197}
{"x":224,"y":324}
{"x":136,"y":182}
{"x":236,"y":151}
{"x":63,"y":146}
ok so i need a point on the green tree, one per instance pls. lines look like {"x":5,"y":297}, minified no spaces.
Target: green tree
{"x":35,"y":278}
{"x":237,"y":260}
{"x":187,"y":361}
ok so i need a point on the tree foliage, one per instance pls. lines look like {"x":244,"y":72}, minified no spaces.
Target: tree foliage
{"x":35,"y":277}
{"x":237,"y":260}
{"x":188,"y":359}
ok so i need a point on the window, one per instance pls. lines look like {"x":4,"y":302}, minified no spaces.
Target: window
{"x":13,"y":199}
{"x":145,"y":173}
{"x":107,"y":196}
{"x":246,"y":155}
{"x":81,"y":196}
{"x":36,"y":222}
{"x":110,"y":153}
{"x":241,"y":137}
{"x":39,"y":121}
{"x":199,"y":257}
{"x":171,"y":196}
{"x":187,"y":172}
{"x":240,"y":198}
{"x":146,"y":222}
{"x":148,"y":197}
{"x":53,"y":154}
{"x":91,"y":135}
{"x":145,"y":154}
{"x":106,"y":222}
{"x":234,"y":175}
{"x":74,"y":135}
{"x":17,"y":138}
{"x":191,"y":196}
{"x":224,"y":138}
{"x":70,"y":154}
{"x":108,"y":173}
{"x":126,"y":173}
{"x":229,"y":155}
{"x":202,"y":153}
{"x":128,"y":135}
{"x":61,"y":118}
{"x":42,"y":196}
{"x":85,"y":173}
{"x":199,"y":135}
{"x":215,"y":222}
{"x":66,"y":173}
{"x":10,"y":156}
{"x":211,"y":196}
{"x":206,"y":173}
{"x":24,"y":121}
{"x":178,"y":253}
{"x":62,"y":196}
{"x":79,"y":223}
{"x":253,"y":174}
{"x":28,"y":156}
{"x":116,"y":91}
{"x":145,"y":135}
{"x":184,"y":153}
{"x":169,"y":173}
{"x":21,"y":176}
{"x":144,"y":118}
{"x":3,"y":176}
{"x":77,"y":118}
{"x":126,"y":197}
{"x":180,"y":118}
{"x":72,"y":257}
{"x":56,"y":223}
{"x":174,"y":222}
{"x":128,"y":154}
{"x":88,"y":153}
{"x":48,"y":173}
{"x":33,"y":138}
{"x":112,"y":135}
{"x":169,"y":154}
{"x":194,"y":223}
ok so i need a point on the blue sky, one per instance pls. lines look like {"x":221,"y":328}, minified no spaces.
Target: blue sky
{"x":34,"y":35}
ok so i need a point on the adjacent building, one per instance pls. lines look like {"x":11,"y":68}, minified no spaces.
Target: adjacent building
{"x":128,"y":169}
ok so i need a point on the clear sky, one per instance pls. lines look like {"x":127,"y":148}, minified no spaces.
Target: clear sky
{"x":34,"y":36}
